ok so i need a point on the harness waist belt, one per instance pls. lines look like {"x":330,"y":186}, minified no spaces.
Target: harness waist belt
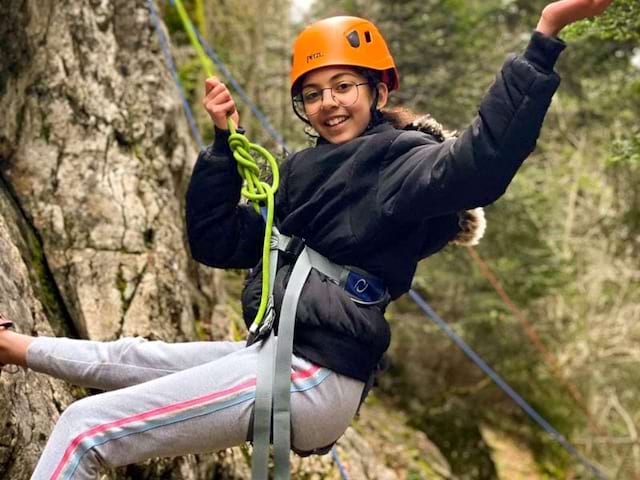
{"x":361,"y":286}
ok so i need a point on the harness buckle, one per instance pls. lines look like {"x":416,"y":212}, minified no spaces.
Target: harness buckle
{"x":265,"y":327}
{"x":295,"y":247}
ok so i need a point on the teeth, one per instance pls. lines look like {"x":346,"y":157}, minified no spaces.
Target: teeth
{"x":335,"y":121}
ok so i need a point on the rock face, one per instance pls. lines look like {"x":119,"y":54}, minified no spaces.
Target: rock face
{"x":94,"y":145}
{"x":95,"y":156}
{"x":29,"y":403}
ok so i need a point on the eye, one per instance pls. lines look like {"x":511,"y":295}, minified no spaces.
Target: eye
{"x":343,"y":87}
{"x":309,"y":96}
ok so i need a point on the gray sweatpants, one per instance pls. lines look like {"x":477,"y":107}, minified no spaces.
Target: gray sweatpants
{"x":172,"y":399}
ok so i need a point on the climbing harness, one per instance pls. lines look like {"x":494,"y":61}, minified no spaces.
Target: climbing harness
{"x":272,"y":403}
{"x":274,"y":368}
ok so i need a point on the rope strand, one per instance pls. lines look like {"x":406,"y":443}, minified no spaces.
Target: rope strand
{"x":257,"y":192}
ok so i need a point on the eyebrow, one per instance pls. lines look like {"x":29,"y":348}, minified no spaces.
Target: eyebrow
{"x":333,"y":78}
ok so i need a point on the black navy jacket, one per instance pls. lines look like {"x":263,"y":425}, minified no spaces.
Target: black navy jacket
{"x":379,"y":202}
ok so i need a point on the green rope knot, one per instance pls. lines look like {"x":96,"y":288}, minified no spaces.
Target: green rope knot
{"x":258,"y":193}
{"x":256,"y":190}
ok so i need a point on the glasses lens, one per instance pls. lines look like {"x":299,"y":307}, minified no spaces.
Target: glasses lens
{"x":310,"y":100}
{"x":345,"y":93}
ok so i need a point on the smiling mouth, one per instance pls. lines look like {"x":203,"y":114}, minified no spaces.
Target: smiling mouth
{"x":333,"y":122}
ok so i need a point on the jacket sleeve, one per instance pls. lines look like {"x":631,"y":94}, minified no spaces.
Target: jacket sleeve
{"x":221,"y":232}
{"x":423,"y":175}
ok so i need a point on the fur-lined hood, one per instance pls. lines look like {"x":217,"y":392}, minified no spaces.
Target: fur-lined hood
{"x":472,"y":222}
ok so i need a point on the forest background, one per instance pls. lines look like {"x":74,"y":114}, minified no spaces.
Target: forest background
{"x":95,"y":157}
{"x":564,"y":241}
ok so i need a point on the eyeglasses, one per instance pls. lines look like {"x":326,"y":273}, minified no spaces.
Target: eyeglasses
{"x":344,"y":94}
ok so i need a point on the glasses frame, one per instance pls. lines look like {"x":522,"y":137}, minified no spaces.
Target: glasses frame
{"x":299,"y":99}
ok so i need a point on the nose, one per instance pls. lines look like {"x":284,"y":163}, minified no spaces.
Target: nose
{"x":327,"y":98}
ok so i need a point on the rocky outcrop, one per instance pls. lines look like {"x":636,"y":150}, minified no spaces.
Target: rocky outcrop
{"x":29,"y":403}
{"x":95,"y":152}
{"x":94,"y":145}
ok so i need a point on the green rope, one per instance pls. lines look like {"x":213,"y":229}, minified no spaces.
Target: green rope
{"x":207,"y":64}
{"x":255,"y":190}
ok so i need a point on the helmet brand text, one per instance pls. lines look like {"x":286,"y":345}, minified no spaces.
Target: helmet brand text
{"x":314,"y":56}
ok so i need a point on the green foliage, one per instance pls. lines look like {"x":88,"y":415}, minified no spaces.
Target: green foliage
{"x":626,"y":150}
{"x":451,"y":430}
{"x":190,"y":73}
{"x":620,"y":22}
{"x":172,"y":20}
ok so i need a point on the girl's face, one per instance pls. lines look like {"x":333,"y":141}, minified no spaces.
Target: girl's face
{"x":337,"y":101}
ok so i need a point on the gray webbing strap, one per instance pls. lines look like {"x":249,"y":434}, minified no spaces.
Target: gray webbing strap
{"x":335,"y":272}
{"x":282,"y":376}
{"x":265,"y":370}
{"x":274,"y":368}
{"x":262,"y":410}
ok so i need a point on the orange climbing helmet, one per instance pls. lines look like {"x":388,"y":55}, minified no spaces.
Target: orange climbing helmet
{"x":348,"y":41}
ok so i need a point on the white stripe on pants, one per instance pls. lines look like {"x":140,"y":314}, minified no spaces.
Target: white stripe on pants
{"x":173,"y":399}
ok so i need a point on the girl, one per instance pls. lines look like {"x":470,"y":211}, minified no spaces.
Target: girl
{"x":368,"y":196}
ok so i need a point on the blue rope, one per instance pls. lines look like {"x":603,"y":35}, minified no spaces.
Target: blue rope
{"x":503,"y":385}
{"x":164,"y":44}
{"x":336,"y":460}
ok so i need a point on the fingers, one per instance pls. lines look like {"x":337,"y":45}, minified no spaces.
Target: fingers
{"x":220,"y":109}
{"x":209,"y":83}
{"x":219,"y":103}
{"x":218,"y":94}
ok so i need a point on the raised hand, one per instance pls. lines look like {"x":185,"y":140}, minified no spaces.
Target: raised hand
{"x":219,"y":104}
{"x":558,"y":15}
